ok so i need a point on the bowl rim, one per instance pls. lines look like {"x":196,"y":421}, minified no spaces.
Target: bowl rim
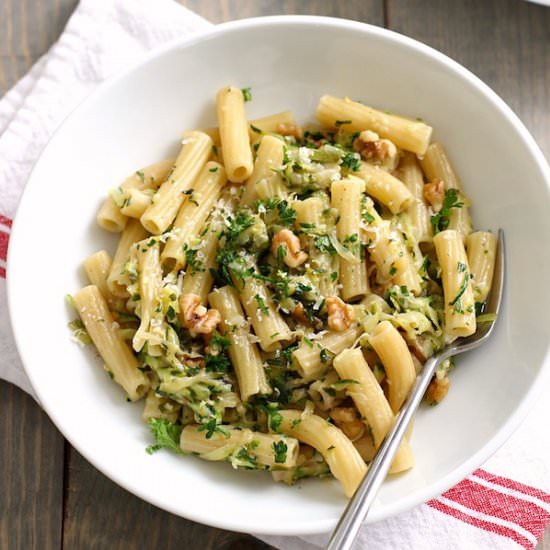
{"x":312,"y":526}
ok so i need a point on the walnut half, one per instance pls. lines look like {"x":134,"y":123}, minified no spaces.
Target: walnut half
{"x":434,"y":193}
{"x":196,"y":317}
{"x":293,"y":253}
{"x":340,"y":314}
{"x":382,"y":152}
{"x":437,"y":390}
{"x":289,"y":129}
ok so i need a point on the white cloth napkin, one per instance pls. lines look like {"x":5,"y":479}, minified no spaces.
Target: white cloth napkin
{"x":504,"y":505}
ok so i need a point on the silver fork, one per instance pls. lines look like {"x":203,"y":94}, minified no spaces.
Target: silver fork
{"x":358,"y":507}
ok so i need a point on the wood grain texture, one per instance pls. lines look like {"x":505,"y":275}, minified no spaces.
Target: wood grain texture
{"x":504,"y":42}
{"x":31,"y":474}
{"x":218,"y":11}
{"x":129,"y":523}
{"x":27,"y":29}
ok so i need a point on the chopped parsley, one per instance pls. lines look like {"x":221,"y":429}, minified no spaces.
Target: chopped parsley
{"x":213,"y":169}
{"x":192,"y":260}
{"x":369,"y":218}
{"x":351,"y":161}
{"x":261,"y":304}
{"x":341,"y":122}
{"x":440,"y":221}
{"x":217,"y":363}
{"x":219,"y":342}
{"x":211,"y":427}
{"x":275,"y":419}
{"x":247,"y":95}
{"x":167,"y":435}
{"x":323,"y":244}
{"x":286,"y":214}
{"x":456,"y":302}
{"x":141,"y":176}
{"x":279,"y":450}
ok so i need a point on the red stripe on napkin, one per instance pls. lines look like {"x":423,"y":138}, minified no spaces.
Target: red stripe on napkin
{"x":481,"y":524}
{"x":492,"y":502}
{"x":515,"y":485}
{"x":2,"y":273}
{"x":5,"y":221}
{"x":4,"y":239}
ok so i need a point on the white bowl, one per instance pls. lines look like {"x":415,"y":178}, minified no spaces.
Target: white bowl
{"x":289,"y":62}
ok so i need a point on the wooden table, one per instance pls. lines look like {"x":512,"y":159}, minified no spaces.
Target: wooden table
{"x":50,"y":497}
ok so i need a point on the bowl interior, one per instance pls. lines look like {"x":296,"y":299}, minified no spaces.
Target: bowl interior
{"x":289,"y":63}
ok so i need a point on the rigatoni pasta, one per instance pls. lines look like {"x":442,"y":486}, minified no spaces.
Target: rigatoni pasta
{"x":195,"y":151}
{"x":276,"y":288}
{"x":104,"y":333}
{"x":111,"y":215}
{"x":237,"y":155}
{"x":460,"y":316}
{"x":192,"y":215}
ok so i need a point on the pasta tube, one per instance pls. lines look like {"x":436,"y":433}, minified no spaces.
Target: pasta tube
{"x":199,"y":281}
{"x":396,"y":358}
{"x":244,"y":354}
{"x":322,"y":267}
{"x":460,"y":317}
{"x":194,"y":154}
{"x":97,"y":267}
{"x":269,"y":326}
{"x":482,"y":250}
{"x":110,"y":216}
{"x":407,"y":134}
{"x":237,"y":155}
{"x":312,"y":356}
{"x":436,"y":166}
{"x":135,"y":202}
{"x":151,"y":328}
{"x":343,"y":459}
{"x":410,"y":174}
{"x":371,"y":403}
{"x":192,"y":215}
{"x":118,"y":278}
{"x":346,"y":199}
{"x":389,"y":252}
{"x":255,"y":449}
{"x":266,"y":181}
{"x":114,"y":351}
{"x":385,"y":188}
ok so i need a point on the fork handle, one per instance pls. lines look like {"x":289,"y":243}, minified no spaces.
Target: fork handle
{"x":347,"y":528}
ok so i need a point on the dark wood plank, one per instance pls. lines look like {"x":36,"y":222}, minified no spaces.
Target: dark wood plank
{"x":370,"y":11}
{"x":27,"y":29}
{"x":128,"y":523}
{"x":504,"y":42}
{"x":31,"y":474}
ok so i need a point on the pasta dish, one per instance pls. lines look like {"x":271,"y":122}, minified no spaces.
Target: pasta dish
{"x":277,"y":288}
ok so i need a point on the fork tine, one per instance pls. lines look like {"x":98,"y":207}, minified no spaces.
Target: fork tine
{"x":497,"y":288}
